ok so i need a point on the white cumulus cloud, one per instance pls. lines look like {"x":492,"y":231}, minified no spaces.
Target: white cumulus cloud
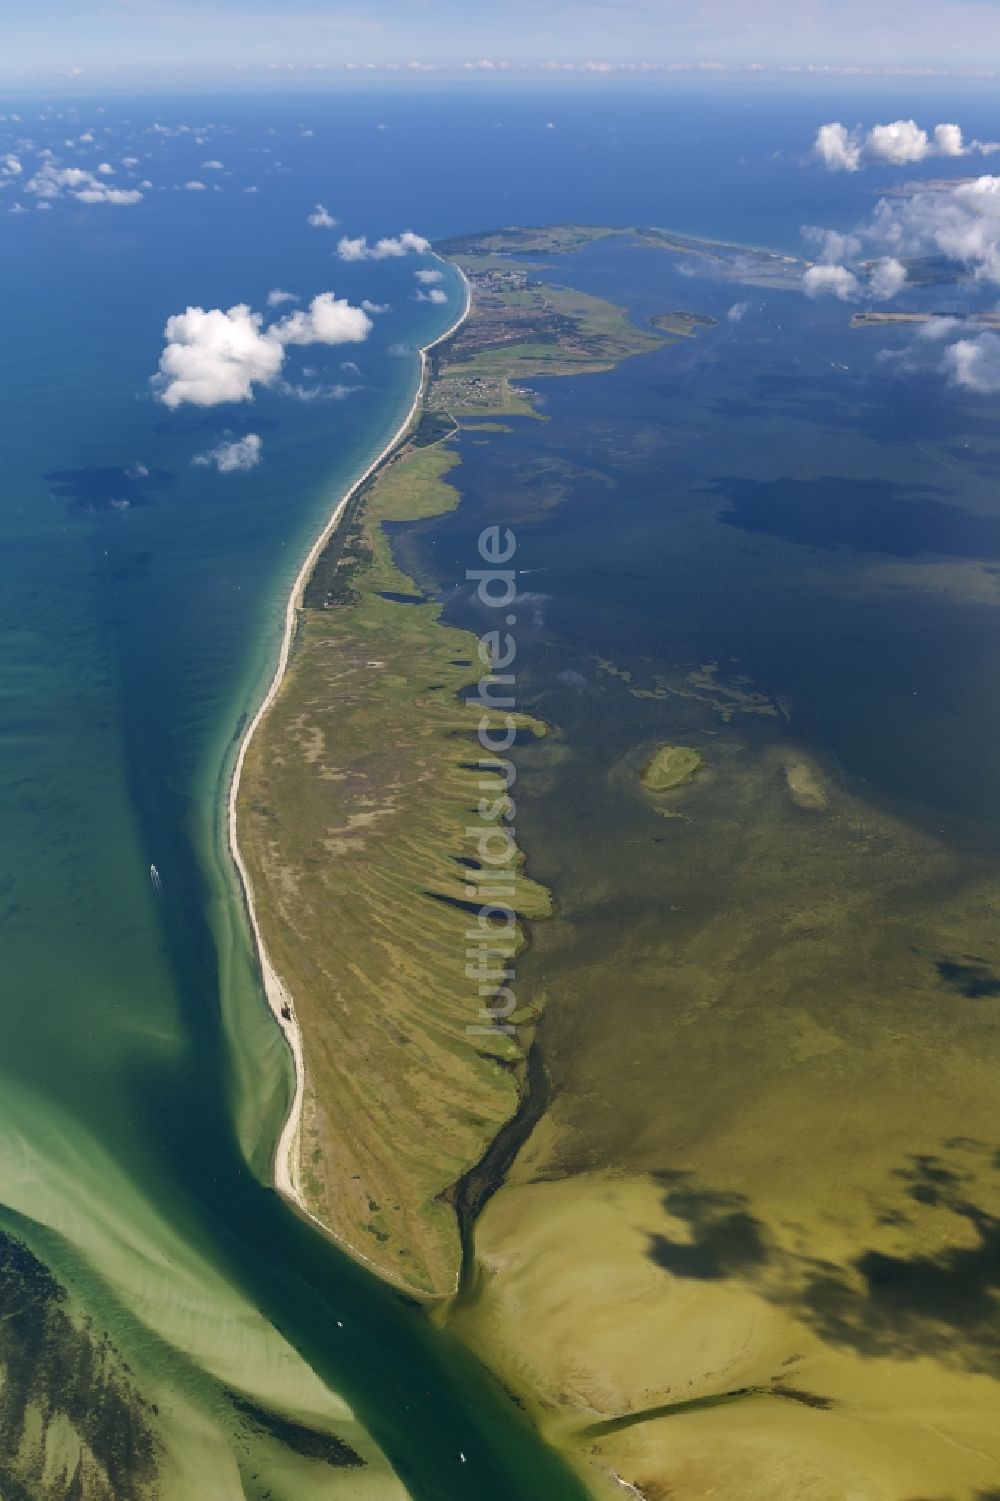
{"x":213,"y":356}
{"x":974,"y":364}
{"x":961,"y":223}
{"x":948,"y":140}
{"x":836,"y":280}
{"x":352,"y":250}
{"x":360,"y":250}
{"x":277,"y":296}
{"x":102,"y":194}
{"x":954,"y":223}
{"x":896,"y":144}
{"x":832,"y":245}
{"x":899,"y":143}
{"x":238,"y":455}
{"x":328,"y":320}
{"x":937,"y":329}
{"x":838,"y":148}
{"x":321,"y":218}
{"x":51,"y":182}
{"x":887,"y":277}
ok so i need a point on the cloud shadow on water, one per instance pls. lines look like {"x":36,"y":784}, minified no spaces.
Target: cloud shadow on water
{"x":942,"y":1303}
{"x":96,"y":488}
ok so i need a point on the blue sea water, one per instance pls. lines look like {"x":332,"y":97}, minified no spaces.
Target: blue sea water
{"x":136,"y":637}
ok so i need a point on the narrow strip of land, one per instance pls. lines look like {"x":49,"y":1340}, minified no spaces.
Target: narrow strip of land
{"x":286,"y":1175}
{"x":356,"y":783}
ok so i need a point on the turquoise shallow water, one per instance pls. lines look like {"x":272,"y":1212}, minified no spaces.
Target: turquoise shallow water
{"x":143,"y":1069}
{"x":140,"y":1071}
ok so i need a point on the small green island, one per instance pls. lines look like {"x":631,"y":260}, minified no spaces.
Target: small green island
{"x":684,"y":325}
{"x":672,"y":766}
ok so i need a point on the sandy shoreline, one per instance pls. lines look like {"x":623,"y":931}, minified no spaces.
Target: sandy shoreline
{"x":286,"y":1150}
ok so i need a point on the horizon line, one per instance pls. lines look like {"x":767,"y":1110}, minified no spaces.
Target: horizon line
{"x":483,"y":71}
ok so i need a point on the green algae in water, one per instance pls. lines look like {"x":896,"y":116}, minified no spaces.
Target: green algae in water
{"x":311,"y":1443}
{"x":671,"y":766}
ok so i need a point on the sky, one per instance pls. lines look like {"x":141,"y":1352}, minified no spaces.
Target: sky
{"x":48,"y":41}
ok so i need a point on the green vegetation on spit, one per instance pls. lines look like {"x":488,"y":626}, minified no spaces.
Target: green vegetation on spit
{"x":355,"y":801}
{"x":554,"y":239}
{"x":356,"y":797}
{"x":747,"y":264}
{"x":520,"y":329}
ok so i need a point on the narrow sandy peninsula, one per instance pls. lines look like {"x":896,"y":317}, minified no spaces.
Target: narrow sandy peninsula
{"x":349,"y":810}
{"x":286,"y":1153}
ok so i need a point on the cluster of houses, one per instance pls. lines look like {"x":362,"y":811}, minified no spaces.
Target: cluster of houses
{"x":498,"y":280}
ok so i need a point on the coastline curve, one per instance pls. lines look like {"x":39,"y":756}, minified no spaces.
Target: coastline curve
{"x":279,"y":1000}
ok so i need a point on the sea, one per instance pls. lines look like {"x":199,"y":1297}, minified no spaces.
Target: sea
{"x":142,"y":593}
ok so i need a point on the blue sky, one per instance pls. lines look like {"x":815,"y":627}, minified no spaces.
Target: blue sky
{"x":53,"y":39}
